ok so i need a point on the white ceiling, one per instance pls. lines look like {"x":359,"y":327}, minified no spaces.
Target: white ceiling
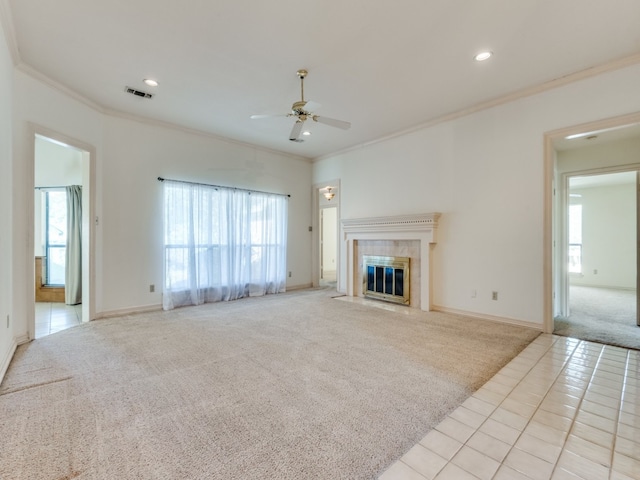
{"x":384,"y":66}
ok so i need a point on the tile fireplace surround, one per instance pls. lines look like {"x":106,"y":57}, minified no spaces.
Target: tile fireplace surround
{"x":402,"y":235}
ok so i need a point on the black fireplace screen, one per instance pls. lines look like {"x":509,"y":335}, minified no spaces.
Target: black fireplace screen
{"x":386,"y":278}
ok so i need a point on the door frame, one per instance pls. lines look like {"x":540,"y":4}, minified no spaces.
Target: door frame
{"x":563,"y":233}
{"x":550,"y":213}
{"x":89,"y":221}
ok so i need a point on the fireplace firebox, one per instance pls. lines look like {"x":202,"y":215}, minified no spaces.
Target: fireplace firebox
{"x":386,"y":278}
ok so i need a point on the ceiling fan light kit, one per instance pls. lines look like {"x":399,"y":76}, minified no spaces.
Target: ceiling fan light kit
{"x":302,"y":111}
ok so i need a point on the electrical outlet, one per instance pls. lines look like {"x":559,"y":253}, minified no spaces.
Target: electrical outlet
{"x":494,"y":295}
{"x":289,"y":274}
{"x":152,"y":288}
{"x":474,"y":293}
{"x":595,"y":271}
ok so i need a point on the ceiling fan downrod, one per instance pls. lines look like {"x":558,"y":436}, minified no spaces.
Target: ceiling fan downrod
{"x":301,"y":74}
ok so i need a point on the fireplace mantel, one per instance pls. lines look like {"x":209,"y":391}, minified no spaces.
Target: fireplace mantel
{"x":421,"y":227}
{"x":424,"y":222}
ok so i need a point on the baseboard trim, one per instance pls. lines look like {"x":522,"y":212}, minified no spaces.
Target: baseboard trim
{"x":128,"y":311}
{"x":299,"y":287}
{"x":4,"y":366}
{"x":155,"y":308}
{"x":491,"y":318}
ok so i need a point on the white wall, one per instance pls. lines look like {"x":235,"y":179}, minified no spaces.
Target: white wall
{"x":329,"y":238}
{"x":608,"y":236}
{"x":484,"y":173}
{"x":131,"y":220}
{"x":130,"y":156}
{"x":7,"y":336}
{"x":36,"y":103}
{"x":55,"y":166}
{"x":619,"y":152}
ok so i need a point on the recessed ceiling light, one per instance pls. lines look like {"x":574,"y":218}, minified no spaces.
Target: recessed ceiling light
{"x":150,"y":82}
{"x":306,"y":132}
{"x":482,"y":56}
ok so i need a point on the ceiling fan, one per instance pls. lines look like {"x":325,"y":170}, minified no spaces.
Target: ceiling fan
{"x":302,"y":111}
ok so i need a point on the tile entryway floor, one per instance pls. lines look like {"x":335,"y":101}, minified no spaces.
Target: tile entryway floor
{"x":53,"y":317}
{"x":562,"y":409}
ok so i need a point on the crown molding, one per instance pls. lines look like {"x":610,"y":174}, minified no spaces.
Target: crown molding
{"x":201,"y":133}
{"x":36,"y":74}
{"x":508,"y":98}
{"x":6,"y":19}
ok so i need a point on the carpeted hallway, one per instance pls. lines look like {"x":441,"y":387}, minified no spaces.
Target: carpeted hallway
{"x":291,"y":386}
{"x":603,"y":315}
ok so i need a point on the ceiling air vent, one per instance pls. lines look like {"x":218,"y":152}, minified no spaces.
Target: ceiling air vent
{"x":137,"y":93}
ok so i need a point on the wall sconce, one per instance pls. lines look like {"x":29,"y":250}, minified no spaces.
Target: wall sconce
{"x":329,"y":194}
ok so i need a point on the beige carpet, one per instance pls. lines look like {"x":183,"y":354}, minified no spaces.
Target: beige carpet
{"x":290,"y":386}
{"x":603,"y":315}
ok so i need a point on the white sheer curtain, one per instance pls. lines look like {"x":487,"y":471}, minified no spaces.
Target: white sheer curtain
{"x":222,"y":244}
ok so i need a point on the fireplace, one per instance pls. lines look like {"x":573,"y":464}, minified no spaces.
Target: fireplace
{"x":410,"y":236}
{"x":386,"y":278}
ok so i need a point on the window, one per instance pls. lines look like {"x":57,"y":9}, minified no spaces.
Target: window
{"x":222,"y":244}
{"x":575,"y":238}
{"x":55,"y":233}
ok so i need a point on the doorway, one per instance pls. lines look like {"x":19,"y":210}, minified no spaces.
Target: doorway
{"x":592,"y":229}
{"x":61,"y":226}
{"x":328,"y":246}
{"x":325,"y":244}
{"x":600,"y":299}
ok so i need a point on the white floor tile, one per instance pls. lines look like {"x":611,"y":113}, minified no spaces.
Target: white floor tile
{"x":491,"y":447}
{"x":528,"y":464}
{"x":455,"y":429}
{"x":557,"y":411}
{"x":593,"y":435}
{"x":424,"y":461}
{"x":401,"y":471}
{"x":453,"y":472}
{"x":476,"y":463}
{"x":538,"y":448}
{"x":55,"y":317}
{"x":582,"y":467}
{"x":588,"y":450}
{"x":441,"y":444}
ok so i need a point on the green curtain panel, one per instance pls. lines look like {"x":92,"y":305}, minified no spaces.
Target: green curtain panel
{"x":73,"y":261}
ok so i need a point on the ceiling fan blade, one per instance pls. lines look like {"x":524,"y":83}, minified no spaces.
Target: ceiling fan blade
{"x":332,"y":121}
{"x":312,"y":106}
{"x":268,"y":115}
{"x":295,"y":131}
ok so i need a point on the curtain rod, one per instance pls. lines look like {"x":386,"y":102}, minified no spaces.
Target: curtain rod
{"x":222,"y":186}
{"x":40,"y":188}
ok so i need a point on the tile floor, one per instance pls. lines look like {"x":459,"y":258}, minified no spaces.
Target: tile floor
{"x":562,"y":409}
{"x":53,"y":317}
